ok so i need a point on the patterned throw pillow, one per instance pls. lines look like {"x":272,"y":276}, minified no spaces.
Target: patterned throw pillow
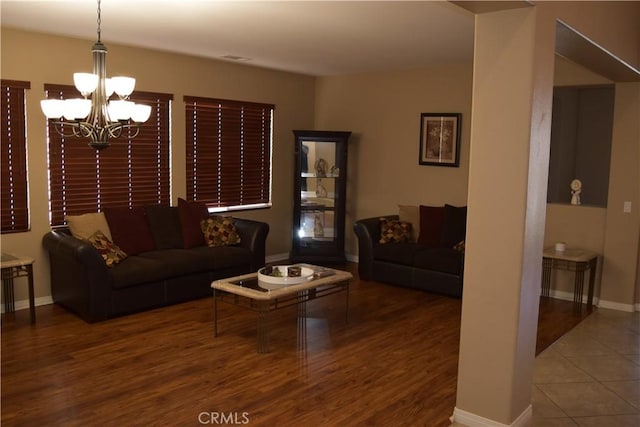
{"x":460,"y":246}
{"x":110,"y":252}
{"x":394,"y":231}
{"x":219,"y":231}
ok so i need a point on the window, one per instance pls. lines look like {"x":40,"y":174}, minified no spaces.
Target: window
{"x":14,"y":201}
{"x":228,"y":153}
{"x":130,"y":172}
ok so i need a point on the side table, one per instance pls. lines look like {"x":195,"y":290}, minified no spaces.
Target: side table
{"x":13,"y":267}
{"x":571,"y":259}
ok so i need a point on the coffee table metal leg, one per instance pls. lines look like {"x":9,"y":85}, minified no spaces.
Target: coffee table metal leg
{"x":263,"y":333}
{"x":593,"y":264}
{"x":578,"y":286}
{"x":215,"y":313}
{"x":32,"y":304}
{"x":346,"y":309}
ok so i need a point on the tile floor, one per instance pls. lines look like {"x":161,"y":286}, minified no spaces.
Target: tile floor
{"x":591,"y":376}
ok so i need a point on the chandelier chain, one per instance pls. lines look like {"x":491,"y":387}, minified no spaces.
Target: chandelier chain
{"x":99,"y":19}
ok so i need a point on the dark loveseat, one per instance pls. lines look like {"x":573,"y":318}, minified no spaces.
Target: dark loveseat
{"x":411,"y":264}
{"x":82,"y":282}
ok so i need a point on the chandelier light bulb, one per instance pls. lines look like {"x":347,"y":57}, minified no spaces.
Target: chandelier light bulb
{"x":123,"y":86}
{"x":76,"y":108}
{"x":108,"y":87}
{"x":86,"y":83}
{"x":52,"y":108}
{"x":120,"y":110}
{"x":141,"y":113}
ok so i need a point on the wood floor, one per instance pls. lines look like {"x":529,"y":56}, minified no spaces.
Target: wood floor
{"x":394,"y":364}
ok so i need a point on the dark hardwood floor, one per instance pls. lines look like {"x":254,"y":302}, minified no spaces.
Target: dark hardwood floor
{"x":394,"y":364}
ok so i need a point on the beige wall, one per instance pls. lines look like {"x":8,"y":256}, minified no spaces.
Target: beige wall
{"x":44,"y":59}
{"x":383,"y":112}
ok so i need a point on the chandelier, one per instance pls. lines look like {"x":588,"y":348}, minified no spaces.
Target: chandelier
{"x":97,"y":118}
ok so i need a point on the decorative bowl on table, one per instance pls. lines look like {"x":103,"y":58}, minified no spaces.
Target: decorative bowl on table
{"x":279,"y":276}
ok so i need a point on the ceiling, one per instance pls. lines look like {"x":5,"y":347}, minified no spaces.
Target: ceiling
{"x":316,"y":38}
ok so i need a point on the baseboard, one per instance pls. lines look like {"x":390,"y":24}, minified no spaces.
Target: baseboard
{"x":24,"y":304}
{"x":277,"y":258}
{"x":612,"y":305}
{"x":568,"y":296}
{"x":629,"y":308}
{"x":472,"y":420}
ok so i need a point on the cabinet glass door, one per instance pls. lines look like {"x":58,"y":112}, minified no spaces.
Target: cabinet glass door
{"x":318,"y":191}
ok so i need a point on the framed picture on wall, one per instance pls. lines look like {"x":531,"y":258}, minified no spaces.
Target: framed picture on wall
{"x":440,"y":139}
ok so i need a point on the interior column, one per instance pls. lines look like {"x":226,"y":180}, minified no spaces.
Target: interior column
{"x":510,"y":133}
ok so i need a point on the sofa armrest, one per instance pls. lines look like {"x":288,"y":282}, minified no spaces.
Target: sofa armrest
{"x":368,"y":232}
{"x":253,"y":236}
{"x":80,"y":279}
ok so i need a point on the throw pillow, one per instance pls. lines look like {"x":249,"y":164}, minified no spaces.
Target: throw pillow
{"x":219,"y":231}
{"x":411,"y":214}
{"x":191,"y":213}
{"x":455,"y":225}
{"x":431,"y":225}
{"x":166,"y":229}
{"x":130,"y":230}
{"x":110,"y":252}
{"x":394,"y":231}
{"x":83,"y":226}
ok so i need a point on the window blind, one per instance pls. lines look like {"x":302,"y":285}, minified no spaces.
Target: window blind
{"x":228,"y":158}
{"x":132,"y":171}
{"x":14,"y":212}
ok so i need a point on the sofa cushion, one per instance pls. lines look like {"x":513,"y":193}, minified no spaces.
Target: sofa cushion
{"x":136,"y":270}
{"x":397,"y":254}
{"x":110,"y":252}
{"x":445,"y":260}
{"x":166,"y":228}
{"x":180,"y":262}
{"x":394,"y":231}
{"x":224,"y":256}
{"x":454,"y":226}
{"x":129,"y":229}
{"x":431,"y":225}
{"x":219,"y":231}
{"x":83,"y":226}
{"x":191,"y":213}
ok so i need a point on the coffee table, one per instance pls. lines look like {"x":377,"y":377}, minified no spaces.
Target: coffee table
{"x":246,"y":291}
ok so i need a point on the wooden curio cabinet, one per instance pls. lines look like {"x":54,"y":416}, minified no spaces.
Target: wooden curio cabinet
{"x":319,"y":197}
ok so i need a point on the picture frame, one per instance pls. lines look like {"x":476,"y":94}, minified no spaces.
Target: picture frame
{"x":440,"y":139}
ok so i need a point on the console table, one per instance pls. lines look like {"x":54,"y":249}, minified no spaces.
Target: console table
{"x":571,"y":259}
{"x":13,"y":267}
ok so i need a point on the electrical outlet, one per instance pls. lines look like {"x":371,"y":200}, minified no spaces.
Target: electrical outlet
{"x":627,"y":207}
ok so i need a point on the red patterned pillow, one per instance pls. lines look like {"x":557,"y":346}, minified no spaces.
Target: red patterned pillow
{"x":219,"y":231}
{"x":394,"y":231}
{"x":110,"y":252}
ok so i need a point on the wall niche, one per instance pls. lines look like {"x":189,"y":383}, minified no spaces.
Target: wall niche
{"x":581,"y":128}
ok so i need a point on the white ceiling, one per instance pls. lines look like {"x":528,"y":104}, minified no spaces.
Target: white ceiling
{"x":310,"y":37}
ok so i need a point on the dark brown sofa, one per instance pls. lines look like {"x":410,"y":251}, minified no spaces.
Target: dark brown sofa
{"x":410,"y":264}
{"x":82,"y":283}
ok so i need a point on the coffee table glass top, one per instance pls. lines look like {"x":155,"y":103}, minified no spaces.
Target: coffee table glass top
{"x":249,"y":285}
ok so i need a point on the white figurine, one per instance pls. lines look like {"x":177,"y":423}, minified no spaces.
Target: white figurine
{"x":576,"y":189}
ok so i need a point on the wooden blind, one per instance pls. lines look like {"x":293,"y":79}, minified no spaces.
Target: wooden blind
{"x":132,"y":171}
{"x":14,"y":210}
{"x":228,"y":152}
